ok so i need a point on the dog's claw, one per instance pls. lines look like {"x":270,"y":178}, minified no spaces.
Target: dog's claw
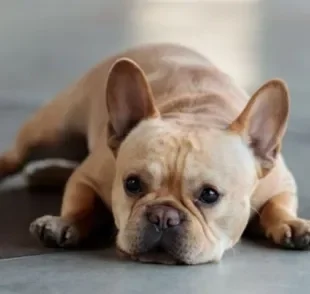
{"x":293,"y":234}
{"x":54,"y":231}
{"x":287,"y":243}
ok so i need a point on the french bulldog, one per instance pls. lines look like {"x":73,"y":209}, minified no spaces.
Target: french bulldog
{"x":182,"y":157}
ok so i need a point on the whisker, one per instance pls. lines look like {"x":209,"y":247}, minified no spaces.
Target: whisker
{"x":256,"y":211}
{"x":234,"y":250}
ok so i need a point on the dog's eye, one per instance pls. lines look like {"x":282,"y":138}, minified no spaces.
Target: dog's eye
{"x":208,"y":195}
{"x":133,"y":185}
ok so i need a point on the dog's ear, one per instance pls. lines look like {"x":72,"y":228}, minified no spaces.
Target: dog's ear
{"x":129,"y":99}
{"x":263,"y":122}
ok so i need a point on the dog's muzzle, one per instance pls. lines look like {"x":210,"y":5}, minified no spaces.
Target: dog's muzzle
{"x":163,"y":228}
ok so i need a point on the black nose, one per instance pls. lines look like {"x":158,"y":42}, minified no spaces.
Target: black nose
{"x":163,"y":216}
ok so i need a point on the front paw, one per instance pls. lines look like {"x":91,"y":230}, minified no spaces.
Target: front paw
{"x":54,"y":231}
{"x":293,"y":234}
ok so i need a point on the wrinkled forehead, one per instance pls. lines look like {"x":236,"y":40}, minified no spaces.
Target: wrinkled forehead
{"x":197,"y":157}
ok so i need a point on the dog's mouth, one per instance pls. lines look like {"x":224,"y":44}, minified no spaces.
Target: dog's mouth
{"x":157,"y":255}
{"x":155,"y":246}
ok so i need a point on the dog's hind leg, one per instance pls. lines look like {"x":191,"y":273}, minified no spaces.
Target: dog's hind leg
{"x":31,"y":135}
{"x":44,"y":135}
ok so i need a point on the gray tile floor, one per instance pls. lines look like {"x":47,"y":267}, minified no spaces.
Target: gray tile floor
{"x":47,"y":44}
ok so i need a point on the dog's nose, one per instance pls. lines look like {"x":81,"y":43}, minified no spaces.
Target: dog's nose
{"x":163,"y":216}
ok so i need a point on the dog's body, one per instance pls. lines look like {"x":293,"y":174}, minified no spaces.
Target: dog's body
{"x":173,"y":109}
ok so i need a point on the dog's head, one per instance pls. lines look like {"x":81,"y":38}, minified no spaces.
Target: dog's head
{"x":186,"y":191}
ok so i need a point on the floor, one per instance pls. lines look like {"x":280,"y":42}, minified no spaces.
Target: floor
{"x":45,"y":46}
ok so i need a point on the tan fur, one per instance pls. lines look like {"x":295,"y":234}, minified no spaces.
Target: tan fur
{"x":167,"y":113}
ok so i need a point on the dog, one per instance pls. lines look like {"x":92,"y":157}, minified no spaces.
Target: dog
{"x":182,"y":157}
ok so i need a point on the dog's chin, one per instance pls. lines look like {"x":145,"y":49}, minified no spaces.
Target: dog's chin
{"x":155,"y":256}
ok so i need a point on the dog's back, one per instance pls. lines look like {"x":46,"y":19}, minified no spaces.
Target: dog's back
{"x":180,"y":79}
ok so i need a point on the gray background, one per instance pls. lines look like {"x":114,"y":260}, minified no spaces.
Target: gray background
{"x":45,"y":45}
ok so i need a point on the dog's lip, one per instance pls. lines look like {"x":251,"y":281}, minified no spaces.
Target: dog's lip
{"x":157,"y":256}
{"x":123,"y":253}
{"x":157,"y":249}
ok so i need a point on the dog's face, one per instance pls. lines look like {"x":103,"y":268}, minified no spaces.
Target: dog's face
{"x":184,"y":191}
{"x":195,"y":185}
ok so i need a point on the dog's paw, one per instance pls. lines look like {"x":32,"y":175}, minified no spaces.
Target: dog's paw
{"x":294,"y":234}
{"x":54,"y":231}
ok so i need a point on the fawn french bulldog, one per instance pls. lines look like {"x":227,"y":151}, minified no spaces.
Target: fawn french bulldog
{"x":181,"y":155}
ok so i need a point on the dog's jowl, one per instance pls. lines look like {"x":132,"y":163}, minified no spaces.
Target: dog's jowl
{"x":182,"y":157}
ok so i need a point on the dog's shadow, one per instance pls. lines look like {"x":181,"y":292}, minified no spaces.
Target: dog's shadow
{"x":20,"y":205}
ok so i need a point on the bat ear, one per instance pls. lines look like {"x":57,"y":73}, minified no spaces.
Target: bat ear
{"x":264,"y":120}
{"x":129,"y":98}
